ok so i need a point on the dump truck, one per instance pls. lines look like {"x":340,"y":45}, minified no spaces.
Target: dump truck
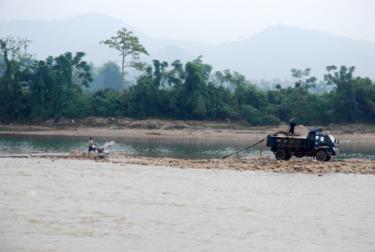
{"x":315,"y":144}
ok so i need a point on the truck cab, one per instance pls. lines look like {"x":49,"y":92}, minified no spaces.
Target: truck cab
{"x":325,"y":145}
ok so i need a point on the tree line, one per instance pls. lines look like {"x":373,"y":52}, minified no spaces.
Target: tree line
{"x":63,"y":87}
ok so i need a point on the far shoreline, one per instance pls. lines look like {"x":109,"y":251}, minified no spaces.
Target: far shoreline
{"x":212,"y":131}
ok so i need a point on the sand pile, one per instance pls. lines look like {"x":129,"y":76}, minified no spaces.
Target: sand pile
{"x":300,"y":131}
{"x":306,"y":165}
{"x":258,"y":164}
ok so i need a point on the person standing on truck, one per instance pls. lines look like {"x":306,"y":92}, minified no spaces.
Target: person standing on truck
{"x":292,"y":125}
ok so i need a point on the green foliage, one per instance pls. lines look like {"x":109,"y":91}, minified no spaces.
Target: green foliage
{"x":346,"y":109}
{"x":40,"y":90}
{"x":128,"y":45}
{"x":303,"y":79}
{"x":106,"y":103}
{"x":78,"y":105}
{"x":255,"y":117}
{"x":107,"y":77}
{"x":13,"y":53}
{"x":145,"y":99}
{"x":53,"y":88}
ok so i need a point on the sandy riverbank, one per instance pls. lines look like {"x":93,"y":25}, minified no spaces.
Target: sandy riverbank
{"x":166,"y":129}
{"x":83,"y":205}
{"x":308,"y":165}
{"x":266,"y":164}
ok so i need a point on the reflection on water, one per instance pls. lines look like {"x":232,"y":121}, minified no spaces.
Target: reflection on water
{"x":154,"y":147}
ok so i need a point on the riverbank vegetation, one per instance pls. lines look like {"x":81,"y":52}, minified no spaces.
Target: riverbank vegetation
{"x":66,"y":86}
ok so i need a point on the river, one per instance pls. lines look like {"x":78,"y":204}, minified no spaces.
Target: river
{"x":154,"y":147}
{"x":78,"y":206}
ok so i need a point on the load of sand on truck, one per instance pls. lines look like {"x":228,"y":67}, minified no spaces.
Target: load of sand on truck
{"x":313,"y":143}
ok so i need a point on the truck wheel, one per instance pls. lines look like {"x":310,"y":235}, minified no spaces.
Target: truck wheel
{"x":321,"y":155}
{"x":328,"y":157}
{"x":281,"y":154}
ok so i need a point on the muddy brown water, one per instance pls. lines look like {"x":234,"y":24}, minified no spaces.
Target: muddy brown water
{"x":79,"y":206}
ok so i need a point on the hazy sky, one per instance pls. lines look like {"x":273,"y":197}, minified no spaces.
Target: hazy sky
{"x":210,"y":21}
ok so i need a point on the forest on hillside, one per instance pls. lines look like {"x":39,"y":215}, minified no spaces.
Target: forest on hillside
{"x":66,"y":86}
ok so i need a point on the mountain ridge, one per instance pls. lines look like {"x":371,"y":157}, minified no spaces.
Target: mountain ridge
{"x":268,"y":54}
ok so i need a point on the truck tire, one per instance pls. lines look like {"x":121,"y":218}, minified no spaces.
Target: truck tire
{"x":282,"y":154}
{"x":321,"y":155}
{"x":328,"y":157}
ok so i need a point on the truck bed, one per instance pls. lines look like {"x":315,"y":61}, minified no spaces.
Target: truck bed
{"x":290,"y":142}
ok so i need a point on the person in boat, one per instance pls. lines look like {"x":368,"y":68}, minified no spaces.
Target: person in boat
{"x":292,"y":126}
{"x":91,"y":145}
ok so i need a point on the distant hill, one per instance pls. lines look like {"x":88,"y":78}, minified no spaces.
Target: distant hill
{"x":268,"y":54}
{"x":274,"y":51}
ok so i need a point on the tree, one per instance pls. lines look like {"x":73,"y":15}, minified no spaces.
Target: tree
{"x":195,"y":88}
{"x":365,"y":96}
{"x":14,"y":60}
{"x":176,"y":76}
{"x":346,"y":106}
{"x":129,"y":46}
{"x":64,"y":85}
{"x":298,"y":99}
{"x":160,"y":73}
{"x":106,"y":102}
{"x":107,"y":76}
{"x":55,"y":86}
{"x":303,"y":79}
